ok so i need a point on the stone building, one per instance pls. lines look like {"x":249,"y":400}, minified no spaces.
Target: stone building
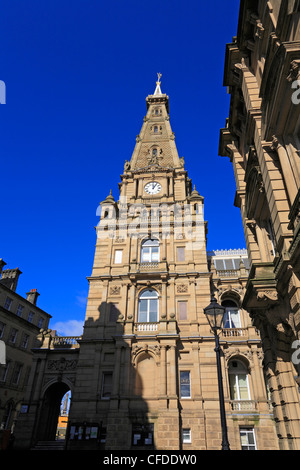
{"x":261,"y":138}
{"x":143,"y":375}
{"x":20,"y":322}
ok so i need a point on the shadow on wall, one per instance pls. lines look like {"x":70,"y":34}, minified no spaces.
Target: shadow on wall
{"x":127,"y":374}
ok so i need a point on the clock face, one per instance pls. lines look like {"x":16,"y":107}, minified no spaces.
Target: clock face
{"x":153,"y":187}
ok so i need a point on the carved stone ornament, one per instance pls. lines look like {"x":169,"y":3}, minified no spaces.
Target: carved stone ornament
{"x":115,"y":290}
{"x":139,"y":348}
{"x":127,"y":165}
{"x":62,"y":364}
{"x":237,"y":353}
{"x":182,"y":288}
{"x":267,"y":295}
{"x":294,"y":72}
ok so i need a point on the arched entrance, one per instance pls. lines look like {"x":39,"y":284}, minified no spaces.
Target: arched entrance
{"x":50,"y":411}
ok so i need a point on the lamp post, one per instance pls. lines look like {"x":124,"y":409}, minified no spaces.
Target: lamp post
{"x":215,"y":315}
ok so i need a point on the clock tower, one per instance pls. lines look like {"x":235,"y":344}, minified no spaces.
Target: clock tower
{"x":143,"y":375}
{"x":149,"y":285}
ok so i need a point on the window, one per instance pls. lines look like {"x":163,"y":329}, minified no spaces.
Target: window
{"x":2,"y":327}
{"x":238,"y":381}
{"x":186,"y":436}
{"x":247,"y":439}
{"x":4,"y":371}
{"x":150,"y":251}
{"x":13,"y":335}
{"x":30,"y":316}
{"x":185,"y":384}
{"x":8,"y":303}
{"x":25,"y":341}
{"x":20,"y":310}
{"x":271,"y":236}
{"x":142,"y":434}
{"x":182,"y":310}
{"x":106,"y":385}
{"x":118,"y":256}
{"x":114,"y":312}
{"x":232,"y":315}
{"x":148,"y":306}
{"x":40,"y":323}
{"x":16,"y":374}
{"x":229,"y":264}
{"x":180,"y":253}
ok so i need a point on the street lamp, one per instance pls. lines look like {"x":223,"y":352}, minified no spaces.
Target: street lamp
{"x":215,"y":316}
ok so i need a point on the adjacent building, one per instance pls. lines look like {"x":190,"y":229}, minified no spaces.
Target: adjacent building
{"x":261,"y":138}
{"x":20,"y":323}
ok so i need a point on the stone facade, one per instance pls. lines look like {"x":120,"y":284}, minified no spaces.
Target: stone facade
{"x":20,"y":322}
{"x":143,"y":375}
{"x":146,"y":374}
{"x":261,"y":138}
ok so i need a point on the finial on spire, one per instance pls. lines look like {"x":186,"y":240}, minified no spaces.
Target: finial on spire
{"x":157,"y":89}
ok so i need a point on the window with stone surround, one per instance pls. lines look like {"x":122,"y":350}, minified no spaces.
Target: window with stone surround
{"x":106,"y":385}
{"x":182,"y":309}
{"x":148,"y":306}
{"x":248,"y":441}
{"x":118,"y":256}
{"x":232,"y":317}
{"x":8,"y":303}
{"x":180,"y":253}
{"x":186,"y":436}
{"x":150,"y":251}
{"x":238,"y":381}
{"x":185,"y":384}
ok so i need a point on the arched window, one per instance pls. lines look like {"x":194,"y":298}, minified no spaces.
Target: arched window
{"x":238,"y":381}
{"x":232,"y":318}
{"x":150,"y":251}
{"x":148,"y":306}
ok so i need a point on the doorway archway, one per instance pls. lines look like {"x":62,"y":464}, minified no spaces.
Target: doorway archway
{"x":50,"y":411}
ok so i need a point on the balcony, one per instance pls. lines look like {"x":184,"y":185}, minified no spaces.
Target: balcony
{"x":148,"y":267}
{"x":243,"y":405}
{"x":234,"y":334}
{"x":68,"y":342}
{"x":148,"y":327}
{"x":153,"y":266}
{"x":232,"y":273}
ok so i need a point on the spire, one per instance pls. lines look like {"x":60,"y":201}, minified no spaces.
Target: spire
{"x":109,"y":199}
{"x":155,"y":144}
{"x":195,"y":194}
{"x":157,"y":89}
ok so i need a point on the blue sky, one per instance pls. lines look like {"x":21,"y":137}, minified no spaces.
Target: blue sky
{"x":77,"y":73}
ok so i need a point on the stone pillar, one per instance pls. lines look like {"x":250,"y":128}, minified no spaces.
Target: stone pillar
{"x":172,"y":377}
{"x":287,"y":171}
{"x":163,"y":371}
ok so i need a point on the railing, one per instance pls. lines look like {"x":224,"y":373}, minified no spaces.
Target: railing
{"x":146,"y":326}
{"x":250,"y":333}
{"x":148,"y":266}
{"x":66,"y":341}
{"x":243,"y":405}
{"x":231,"y":273}
{"x":230,"y":332}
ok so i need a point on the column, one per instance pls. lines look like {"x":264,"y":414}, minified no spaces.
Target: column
{"x":287,"y":171}
{"x":172,"y":377}
{"x":163,"y":371}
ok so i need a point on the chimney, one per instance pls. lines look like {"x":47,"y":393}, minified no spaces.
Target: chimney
{"x":2,"y":264}
{"x":10,"y":278}
{"x":32,"y":296}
